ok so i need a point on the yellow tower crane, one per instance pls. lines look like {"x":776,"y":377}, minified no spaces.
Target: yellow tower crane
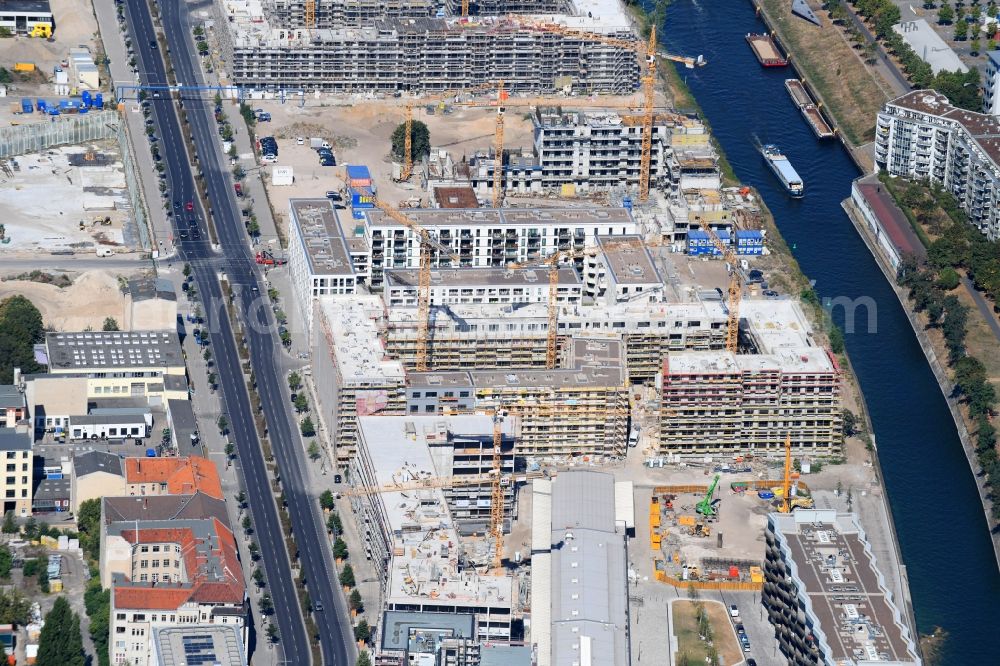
{"x":407,"y":169}
{"x":310,"y":11}
{"x":465,"y":8}
{"x":646,"y":52}
{"x":735,"y":294}
{"x":428,"y":245}
{"x":498,"y":147}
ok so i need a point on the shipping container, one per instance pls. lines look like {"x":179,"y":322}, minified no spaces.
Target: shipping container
{"x":42,"y":105}
{"x":362,"y":197}
{"x":99,"y":100}
{"x":24,"y":67}
{"x":86,"y":98}
{"x":749,"y":242}
{"x":26,"y":105}
{"x":358,"y":176}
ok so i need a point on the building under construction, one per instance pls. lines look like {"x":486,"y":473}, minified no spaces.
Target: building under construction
{"x":579,"y":409}
{"x":375,"y":47}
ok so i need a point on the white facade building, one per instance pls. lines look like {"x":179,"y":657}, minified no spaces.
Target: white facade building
{"x":922,"y":136}
{"x":991,"y":84}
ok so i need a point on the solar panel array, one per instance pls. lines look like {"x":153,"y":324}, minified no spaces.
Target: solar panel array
{"x":199,"y":650}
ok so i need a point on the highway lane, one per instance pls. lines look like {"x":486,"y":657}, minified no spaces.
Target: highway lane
{"x":333,"y":624}
{"x":269,"y":535}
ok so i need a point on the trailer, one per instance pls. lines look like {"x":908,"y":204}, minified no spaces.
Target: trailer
{"x":268,"y":258}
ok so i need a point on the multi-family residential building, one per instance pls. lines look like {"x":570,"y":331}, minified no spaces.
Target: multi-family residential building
{"x":826,"y":596}
{"x":319,"y":256}
{"x":172,"y":476}
{"x":12,"y":405}
{"x":623,"y":270}
{"x":991,"y":84}
{"x":422,"y":563}
{"x":16,"y":451}
{"x":454,"y":286}
{"x":353,"y":375}
{"x":922,"y":136}
{"x":169,"y":561}
{"x":408,"y":48}
{"x":597,"y":150}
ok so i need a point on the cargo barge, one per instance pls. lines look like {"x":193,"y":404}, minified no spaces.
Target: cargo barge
{"x":783,"y":169}
{"x":766,"y":50}
{"x":808,"y":108}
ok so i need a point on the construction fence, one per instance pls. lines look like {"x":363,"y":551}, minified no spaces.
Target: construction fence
{"x":70,"y":130}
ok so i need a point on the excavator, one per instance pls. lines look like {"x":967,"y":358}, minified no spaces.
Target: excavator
{"x":706,"y":507}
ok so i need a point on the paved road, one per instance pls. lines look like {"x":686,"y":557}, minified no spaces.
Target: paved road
{"x":985,"y":309}
{"x":335,"y":636}
{"x":50,"y":262}
{"x":890,"y":72}
{"x":294,"y":643}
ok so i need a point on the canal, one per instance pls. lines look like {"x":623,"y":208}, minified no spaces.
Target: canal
{"x":943,"y":533}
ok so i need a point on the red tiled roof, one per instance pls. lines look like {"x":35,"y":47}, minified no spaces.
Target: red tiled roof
{"x":151,"y":598}
{"x":183,"y":476}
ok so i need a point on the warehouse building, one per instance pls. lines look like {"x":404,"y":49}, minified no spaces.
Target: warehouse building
{"x":923,"y":137}
{"x":825,"y":595}
{"x":21,"y":16}
{"x":579,"y":592}
{"x":398,"y":47}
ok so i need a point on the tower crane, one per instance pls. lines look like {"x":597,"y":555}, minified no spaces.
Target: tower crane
{"x":498,"y":146}
{"x":310,"y":14}
{"x":465,"y":8}
{"x":407,"y":170}
{"x":428,"y":244}
{"x":646,"y":51}
{"x":735,"y":288}
{"x":786,"y":500}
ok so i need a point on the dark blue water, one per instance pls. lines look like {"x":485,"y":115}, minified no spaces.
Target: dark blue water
{"x":943,"y":534}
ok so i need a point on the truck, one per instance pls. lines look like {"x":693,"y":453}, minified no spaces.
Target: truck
{"x":268,"y":258}
{"x":105,"y":252}
{"x":315,"y":143}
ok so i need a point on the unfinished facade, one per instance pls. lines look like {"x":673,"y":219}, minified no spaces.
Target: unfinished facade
{"x":596,"y":150}
{"x":422,"y":563}
{"x":454,"y":286}
{"x":353,"y":375}
{"x":399,"y":47}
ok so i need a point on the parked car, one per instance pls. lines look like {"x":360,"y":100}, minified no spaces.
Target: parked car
{"x":733,"y":611}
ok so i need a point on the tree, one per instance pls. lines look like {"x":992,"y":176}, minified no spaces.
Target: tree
{"x":326,"y":500}
{"x":313,"y":451}
{"x":850,"y":423}
{"x":230,"y":449}
{"x":30,"y":529}
{"x":6,"y":562}
{"x":362,"y":631}
{"x":420,"y":141}
{"x":254,"y":551}
{"x":247,"y":525}
{"x":340,"y":549}
{"x":946,"y":14}
{"x":88,"y":519}
{"x":974,"y":46}
{"x":961,"y":31}
{"x":347,"y":576}
{"x":223,"y":424}
{"x":60,"y":643}
{"x":272,"y":632}
{"x":301,"y":403}
{"x":991,"y":11}
{"x":212,"y":379}
{"x":334,"y":525}
{"x":266,"y":605}
{"x":15,"y":608}
{"x":258,"y":577}
{"x":307,"y":428}
{"x":947,"y":279}
{"x":97,"y":603}
{"x":241,"y":499}
{"x":294,"y":381}
{"x":355,"y":601}
{"x":110,"y":324}
{"x":20,"y":328}
{"x":9,"y":523}
{"x":187,"y":270}
{"x":363,"y":659}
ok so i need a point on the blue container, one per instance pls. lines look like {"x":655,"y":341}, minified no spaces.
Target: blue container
{"x":362,"y":197}
{"x":42,"y":106}
{"x":86,"y":98}
{"x":627,"y":203}
{"x":150,"y":453}
{"x":83,"y":109}
{"x":53,"y":111}
{"x":358,"y":172}
{"x":99,"y":100}
{"x":26,"y":105}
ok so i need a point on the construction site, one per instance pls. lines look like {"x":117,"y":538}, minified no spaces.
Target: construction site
{"x":549,"y":344}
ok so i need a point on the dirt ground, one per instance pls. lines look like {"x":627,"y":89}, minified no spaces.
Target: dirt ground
{"x":75,"y":26}
{"x":847,"y":86}
{"x":691,"y":649}
{"x":46,"y":195}
{"x":93,"y":296}
{"x":360,"y":134}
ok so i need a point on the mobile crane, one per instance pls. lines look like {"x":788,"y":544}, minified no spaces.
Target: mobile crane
{"x":706,"y":507}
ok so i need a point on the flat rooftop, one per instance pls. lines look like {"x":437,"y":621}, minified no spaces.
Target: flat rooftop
{"x":629,"y":261}
{"x":722,"y":362}
{"x":929,"y":47}
{"x":424,"y":564}
{"x":778,"y":324}
{"x":836,"y":573}
{"x":351,"y":324}
{"x":582,"y":377}
{"x":402,"y":629}
{"x":95,"y":350}
{"x":983,"y":128}
{"x":480,"y":277}
{"x":498,"y":217}
{"x":322,"y":237}
{"x":205,"y":645}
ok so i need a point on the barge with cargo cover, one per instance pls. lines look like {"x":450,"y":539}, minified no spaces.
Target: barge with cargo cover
{"x":783,"y":169}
